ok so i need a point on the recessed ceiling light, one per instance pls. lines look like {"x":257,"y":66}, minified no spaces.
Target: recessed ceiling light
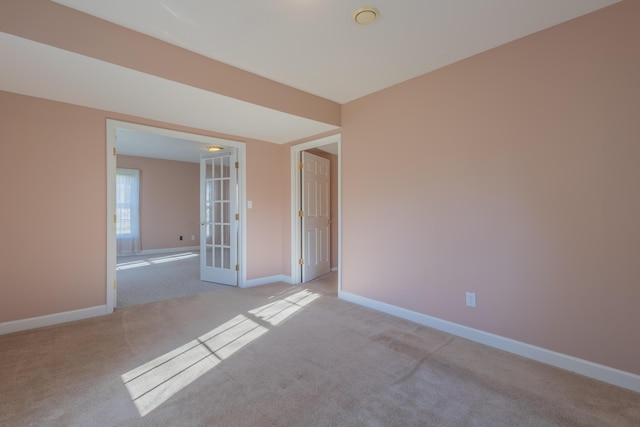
{"x":365,"y":15}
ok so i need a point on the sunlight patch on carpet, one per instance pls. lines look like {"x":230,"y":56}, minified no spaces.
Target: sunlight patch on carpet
{"x":153,"y":383}
{"x":278,"y":311}
{"x":170,"y":258}
{"x":132,"y":264}
{"x":157,"y":260}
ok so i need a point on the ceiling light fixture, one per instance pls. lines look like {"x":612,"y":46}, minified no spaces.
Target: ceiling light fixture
{"x":213,"y":148}
{"x":365,"y":15}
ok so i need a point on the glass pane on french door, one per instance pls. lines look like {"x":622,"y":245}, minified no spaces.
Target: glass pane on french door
{"x":219,"y":224}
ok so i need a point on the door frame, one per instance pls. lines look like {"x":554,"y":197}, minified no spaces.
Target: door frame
{"x":111,"y":127}
{"x":296,"y":221}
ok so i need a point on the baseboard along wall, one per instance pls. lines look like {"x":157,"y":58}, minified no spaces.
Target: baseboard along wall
{"x":266,"y":280}
{"x":584,"y":367}
{"x":168,"y":250}
{"x":85,"y":313}
{"x":51,"y":319}
{"x":580,"y":366}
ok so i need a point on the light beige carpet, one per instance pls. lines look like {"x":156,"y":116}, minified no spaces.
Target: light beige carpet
{"x":279,"y":355}
{"x":148,"y":278}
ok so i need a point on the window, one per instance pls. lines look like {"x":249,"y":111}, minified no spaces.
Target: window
{"x":128,"y":211}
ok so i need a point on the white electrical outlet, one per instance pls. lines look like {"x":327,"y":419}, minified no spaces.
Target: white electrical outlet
{"x":471,"y":299}
{"x":193,"y":237}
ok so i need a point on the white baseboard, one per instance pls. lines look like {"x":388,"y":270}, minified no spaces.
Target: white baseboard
{"x":584,"y":367}
{"x":266,"y":280}
{"x":167,"y":250}
{"x":51,"y":319}
{"x":334,"y":268}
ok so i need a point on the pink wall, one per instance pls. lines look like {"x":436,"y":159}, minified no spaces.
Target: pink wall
{"x":169,"y":201}
{"x":513,"y":174}
{"x":266,"y":167}
{"x":53,"y":216}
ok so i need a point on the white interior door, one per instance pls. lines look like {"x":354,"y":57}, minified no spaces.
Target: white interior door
{"x":315,"y":216}
{"x":219,"y":217}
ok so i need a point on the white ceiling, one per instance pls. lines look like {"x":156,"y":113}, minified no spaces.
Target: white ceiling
{"x":312,"y":45}
{"x":72,"y":78}
{"x":145,"y":144}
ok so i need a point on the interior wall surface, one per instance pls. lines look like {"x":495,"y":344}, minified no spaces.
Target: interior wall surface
{"x":267,"y":169}
{"x":53,"y":186}
{"x":514,"y":175}
{"x":169,"y":201}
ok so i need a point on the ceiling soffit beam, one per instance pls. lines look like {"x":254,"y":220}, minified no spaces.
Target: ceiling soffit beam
{"x":49,"y":23}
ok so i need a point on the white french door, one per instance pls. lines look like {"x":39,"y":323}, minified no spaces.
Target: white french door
{"x":315,"y":216}
{"x":219,"y":217}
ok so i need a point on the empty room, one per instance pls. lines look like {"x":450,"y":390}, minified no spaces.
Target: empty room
{"x":502,"y":135}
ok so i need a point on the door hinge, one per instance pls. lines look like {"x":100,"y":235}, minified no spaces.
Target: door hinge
{"x":301,"y":261}
{"x":301,"y":214}
{"x":237,"y":217}
{"x":115,"y":284}
{"x":114,"y":151}
{"x":237,"y":267}
{"x":237,"y":165}
{"x":115,"y":220}
{"x":300,"y":165}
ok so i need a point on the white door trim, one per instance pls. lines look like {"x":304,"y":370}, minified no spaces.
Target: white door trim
{"x":296,"y":237}
{"x":112,"y":125}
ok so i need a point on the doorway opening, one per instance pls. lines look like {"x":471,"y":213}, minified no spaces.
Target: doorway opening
{"x":331,"y":144}
{"x":166,"y":144}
